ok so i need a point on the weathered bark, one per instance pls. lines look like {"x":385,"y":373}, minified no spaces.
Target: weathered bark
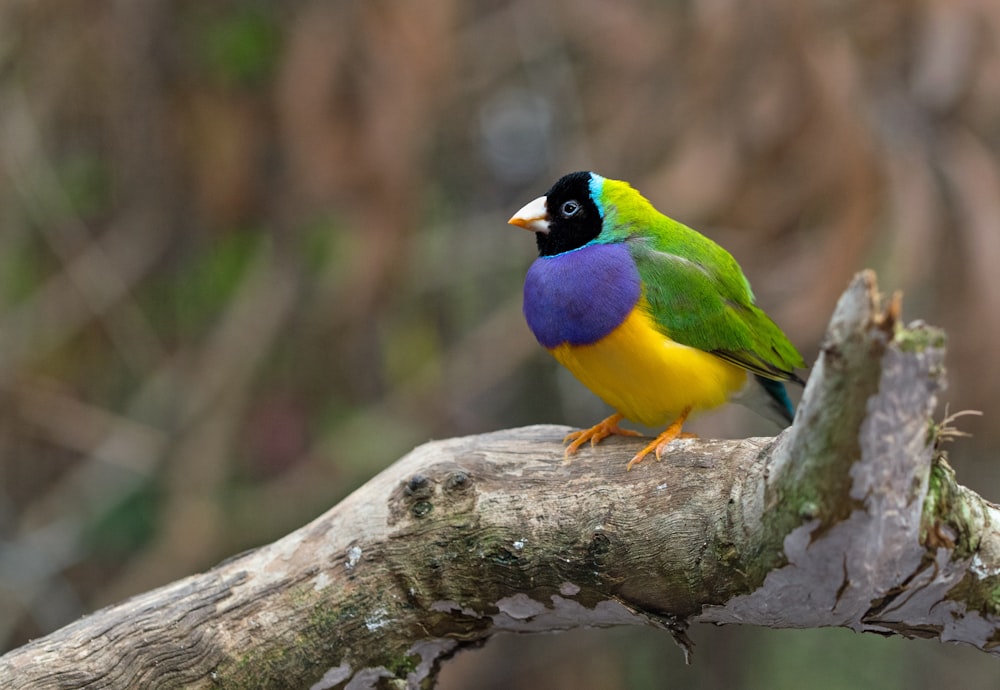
{"x":850,"y":518}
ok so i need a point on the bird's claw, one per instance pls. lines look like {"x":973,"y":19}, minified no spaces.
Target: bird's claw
{"x":595,"y":434}
{"x":660,"y":443}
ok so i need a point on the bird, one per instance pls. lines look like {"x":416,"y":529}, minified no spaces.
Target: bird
{"x":653,"y":317}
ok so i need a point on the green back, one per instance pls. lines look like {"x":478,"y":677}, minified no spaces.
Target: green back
{"x":697,"y":293}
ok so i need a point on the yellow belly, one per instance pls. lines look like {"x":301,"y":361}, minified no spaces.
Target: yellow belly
{"x":648,"y":377}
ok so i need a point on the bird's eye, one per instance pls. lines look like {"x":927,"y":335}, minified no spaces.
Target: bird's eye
{"x":569,"y":208}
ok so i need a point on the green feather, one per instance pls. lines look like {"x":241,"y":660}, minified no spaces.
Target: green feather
{"x":697,"y":293}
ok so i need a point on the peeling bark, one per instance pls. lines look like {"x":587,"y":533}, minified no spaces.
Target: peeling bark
{"x":850,"y":518}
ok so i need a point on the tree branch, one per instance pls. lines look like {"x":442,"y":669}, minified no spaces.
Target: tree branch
{"x":850,"y":518}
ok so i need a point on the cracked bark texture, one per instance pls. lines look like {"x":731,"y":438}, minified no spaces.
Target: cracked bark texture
{"x":850,"y":518}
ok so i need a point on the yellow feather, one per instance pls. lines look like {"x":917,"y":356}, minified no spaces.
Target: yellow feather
{"x":647,"y":376}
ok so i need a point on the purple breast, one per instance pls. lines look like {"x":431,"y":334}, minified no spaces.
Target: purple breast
{"x":580,"y":296}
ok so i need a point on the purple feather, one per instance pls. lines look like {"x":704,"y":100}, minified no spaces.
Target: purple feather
{"x":580,"y":296}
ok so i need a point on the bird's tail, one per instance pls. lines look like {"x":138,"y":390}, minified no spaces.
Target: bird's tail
{"x":768,"y":398}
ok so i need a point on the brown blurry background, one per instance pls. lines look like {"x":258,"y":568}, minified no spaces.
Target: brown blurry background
{"x":252,"y":252}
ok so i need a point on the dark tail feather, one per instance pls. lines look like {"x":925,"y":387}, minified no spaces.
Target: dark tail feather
{"x":778,"y":401}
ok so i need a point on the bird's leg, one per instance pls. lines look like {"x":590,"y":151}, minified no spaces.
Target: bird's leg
{"x":660,"y":442}
{"x":595,"y":434}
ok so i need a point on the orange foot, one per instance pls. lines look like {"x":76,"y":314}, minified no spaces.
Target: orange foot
{"x":660,"y":442}
{"x":595,"y":434}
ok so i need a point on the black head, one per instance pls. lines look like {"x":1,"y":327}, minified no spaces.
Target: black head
{"x":565,"y":218}
{"x":574,"y":218}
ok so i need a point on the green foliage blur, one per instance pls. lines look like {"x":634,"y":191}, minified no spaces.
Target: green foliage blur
{"x":252,"y":252}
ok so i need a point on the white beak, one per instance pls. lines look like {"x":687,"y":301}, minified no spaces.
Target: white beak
{"x":532,"y":216}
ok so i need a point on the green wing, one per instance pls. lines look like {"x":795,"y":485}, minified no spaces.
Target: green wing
{"x":699,"y":297}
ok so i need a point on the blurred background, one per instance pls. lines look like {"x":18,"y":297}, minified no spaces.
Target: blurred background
{"x":252,"y":252}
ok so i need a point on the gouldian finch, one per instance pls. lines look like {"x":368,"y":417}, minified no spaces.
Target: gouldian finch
{"x":654,"y":318}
